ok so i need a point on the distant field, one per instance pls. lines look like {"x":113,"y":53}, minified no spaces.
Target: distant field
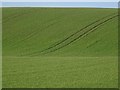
{"x":60,"y":47}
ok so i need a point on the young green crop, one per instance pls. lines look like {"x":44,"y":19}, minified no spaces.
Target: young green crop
{"x":90,"y":61}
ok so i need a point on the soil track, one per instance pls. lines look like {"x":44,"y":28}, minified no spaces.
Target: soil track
{"x":32,"y":34}
{"x":65,"y":43}
{"x":84,"y":34}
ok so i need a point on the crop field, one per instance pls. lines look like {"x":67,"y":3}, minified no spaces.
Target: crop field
{"x":60,"y":48}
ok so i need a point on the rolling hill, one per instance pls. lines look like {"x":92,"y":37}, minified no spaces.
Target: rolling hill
{"x":60,"y":47}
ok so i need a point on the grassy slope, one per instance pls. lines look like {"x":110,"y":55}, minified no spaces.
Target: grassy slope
{"x":47,"y":26}
{"x":29,"y":30}
{"x":60,"y":72}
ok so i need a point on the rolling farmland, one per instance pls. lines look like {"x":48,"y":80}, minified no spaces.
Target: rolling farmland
{"x":60,"y":47}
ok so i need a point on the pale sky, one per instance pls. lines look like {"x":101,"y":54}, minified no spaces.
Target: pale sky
{"x":60,"y":0}
{"x":61,"y":3}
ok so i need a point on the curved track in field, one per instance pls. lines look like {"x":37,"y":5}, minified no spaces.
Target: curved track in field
{"x":34,"y":33}
{"x":81,"y":33}
{"x":85,"y":33}
{"x":75,"y":33}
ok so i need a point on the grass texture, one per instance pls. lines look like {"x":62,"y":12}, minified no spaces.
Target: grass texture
{"x":60,"y":48}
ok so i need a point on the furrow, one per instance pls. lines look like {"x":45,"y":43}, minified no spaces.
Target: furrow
{"x":66,"y":39}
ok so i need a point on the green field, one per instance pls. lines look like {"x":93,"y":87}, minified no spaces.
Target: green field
{"x":60,"y":48}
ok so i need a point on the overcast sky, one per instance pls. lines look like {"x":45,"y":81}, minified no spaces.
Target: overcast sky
{"x":61,"y":3}
{"x":60,"y":0}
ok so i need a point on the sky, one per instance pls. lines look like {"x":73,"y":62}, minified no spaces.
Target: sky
{"x":61,"y":3}
{"x":60,"y":0}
